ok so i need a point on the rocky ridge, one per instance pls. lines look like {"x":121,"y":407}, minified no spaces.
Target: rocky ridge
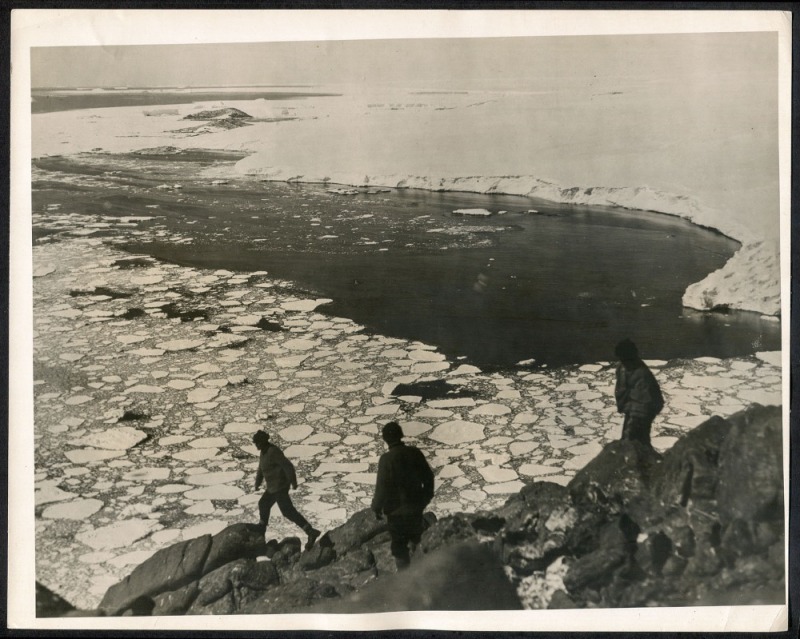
{"x":216,"y":120}
{"x":700,"y":525}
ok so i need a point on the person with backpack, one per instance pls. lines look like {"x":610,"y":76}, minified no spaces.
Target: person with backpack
{"x":637,"y":393}
{"x":403,"y":488}
{"x":279,"y":474}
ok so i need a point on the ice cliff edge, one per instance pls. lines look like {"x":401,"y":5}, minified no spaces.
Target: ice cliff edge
{"x":750,"y":281}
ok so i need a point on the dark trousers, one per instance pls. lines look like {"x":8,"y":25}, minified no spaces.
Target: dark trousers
{"x":404,"y":529}
{"x":286,"y":506}
{"x":637,"y":428}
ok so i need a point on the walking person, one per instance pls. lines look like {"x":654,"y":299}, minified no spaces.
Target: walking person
{"x":279,"y":475}
{"x":637,"y":393}
{"x":404,"y":487}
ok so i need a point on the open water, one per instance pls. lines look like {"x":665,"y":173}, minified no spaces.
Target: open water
{"x":557,"y":286}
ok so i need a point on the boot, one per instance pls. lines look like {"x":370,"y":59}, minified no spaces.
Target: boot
{"x":312,"y":533}
{"x":402,"y":563}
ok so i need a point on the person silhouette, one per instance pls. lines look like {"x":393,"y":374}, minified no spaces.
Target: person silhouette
{"x":637,"y":393}
{"x":279,"y":475}
{"x":403,"y":488}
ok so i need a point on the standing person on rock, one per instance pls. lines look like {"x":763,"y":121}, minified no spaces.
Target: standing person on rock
{"x":637,"y":393}
{"x":404,"y":487}
{"x":279,"y":474}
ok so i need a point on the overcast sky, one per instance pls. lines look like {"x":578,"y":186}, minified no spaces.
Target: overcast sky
{"x":506,"y":63}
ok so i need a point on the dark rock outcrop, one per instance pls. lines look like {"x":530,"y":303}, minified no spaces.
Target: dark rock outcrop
{"x":463,"y":576}
{"x":689,"y":470}
{"x":751,"y":469}
{"x":701,"y":525}
{"x":707,"y":518}
{"x":167,"y":569}
{"x":217,"y":119}
{"x":49,"y":604}
{"x":231,"y":587}
{"x":215,"y":114}
{"x":619,"y":475}
{"x":176,"y":602}
{"x":362,"y":527}
{"x":235,"y":542}
{"x":535,"y":531}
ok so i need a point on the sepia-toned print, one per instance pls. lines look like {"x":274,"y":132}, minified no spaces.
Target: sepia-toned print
{"x":413,"y":325}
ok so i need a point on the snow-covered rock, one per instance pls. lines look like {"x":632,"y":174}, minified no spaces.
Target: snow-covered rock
{"x":750,"y":280}
{"x":473,"y":212}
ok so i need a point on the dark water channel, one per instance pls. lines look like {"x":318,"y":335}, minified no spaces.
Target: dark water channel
{"x":48,"y":101}
{"x":562,"y":290}
{"x":558,"y":286}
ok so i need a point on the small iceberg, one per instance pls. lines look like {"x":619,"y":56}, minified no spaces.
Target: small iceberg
{"x":475,"y":212}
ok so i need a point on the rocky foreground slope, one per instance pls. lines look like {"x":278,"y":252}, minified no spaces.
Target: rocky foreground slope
{"x":702,"y":524}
